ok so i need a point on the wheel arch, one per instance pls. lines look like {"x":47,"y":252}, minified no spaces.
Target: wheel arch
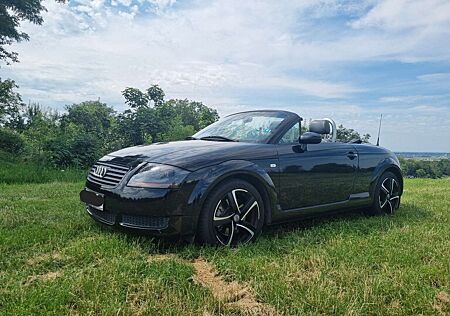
{"x":387,"y":165}
{"x":243,"y":170}
{"x":257,"y":183}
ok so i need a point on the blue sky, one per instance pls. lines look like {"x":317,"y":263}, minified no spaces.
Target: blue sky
{"x":348,"y":60}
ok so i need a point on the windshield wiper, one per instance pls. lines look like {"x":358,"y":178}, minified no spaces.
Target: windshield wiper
{"x":220,"y":138}
{"x":191,"y":138}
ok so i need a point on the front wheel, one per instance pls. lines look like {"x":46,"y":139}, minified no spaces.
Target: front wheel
{"x":232,"y":214}
{"x":386,"y":195}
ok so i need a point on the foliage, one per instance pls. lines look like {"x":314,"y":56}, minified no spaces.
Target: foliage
{"x":12,"y":13}
{"x":10,"y":105}
{"x":11,"y":141}
{"x":90,"y":129}
{"x":419,"y":168}
{"x":136,"y":99}
{"x":346,"y":135}
{"x":143,"y":123}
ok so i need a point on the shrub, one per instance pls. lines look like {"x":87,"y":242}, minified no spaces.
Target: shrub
{"x":11,"y":141}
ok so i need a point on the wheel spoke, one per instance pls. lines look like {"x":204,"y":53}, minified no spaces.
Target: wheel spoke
{"x":390,"y":206}
{"x":222,"y":220}
{"x":232,"y":200}
{"x":394,"y":197}
{"x":247,"y":227}
{"x":384,"y":188}
{"x":392,"y":187}
{"x":384,"y":203}
{"x":249,"y":206}
{"x":231,"y":234}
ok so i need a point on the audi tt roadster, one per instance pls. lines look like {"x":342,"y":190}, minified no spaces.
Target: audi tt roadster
{"x":252,"y":169}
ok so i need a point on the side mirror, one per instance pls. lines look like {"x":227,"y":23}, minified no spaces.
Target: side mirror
{"x":310,"y":138}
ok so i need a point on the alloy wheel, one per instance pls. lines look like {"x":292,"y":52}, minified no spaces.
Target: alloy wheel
{"x":236,"y":217}
{"x":389,"y":197}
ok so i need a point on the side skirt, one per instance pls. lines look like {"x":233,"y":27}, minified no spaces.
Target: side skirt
{"x":354,"y":201}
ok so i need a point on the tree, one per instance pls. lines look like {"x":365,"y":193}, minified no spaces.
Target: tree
{"x":135,"y":98}
{"x":192,"y":113}
{"x":41,"y":127}
{"x":10,"y":105}
{"x":90,"y":116}
{"x":156,"y":94}
{"x":12,"y":13}
{"x":145,"y":123}
{"x":347,"y":134}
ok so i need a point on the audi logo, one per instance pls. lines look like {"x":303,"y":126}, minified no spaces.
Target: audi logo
{"x":100,"y":171}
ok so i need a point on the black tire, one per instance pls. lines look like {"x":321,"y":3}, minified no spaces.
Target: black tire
{"x":224,"y":222}
{"x":386,"y":195}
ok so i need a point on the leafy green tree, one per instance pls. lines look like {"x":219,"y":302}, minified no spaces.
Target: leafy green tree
{"x":347,"y":134}
{"x":156,"y":94}
{"x":12,"y":13}
{"x":192,"y":113}
{"x":10,"y":105}
{"x":40,"y":127}
{"x":177,"y":131}
{"x":135,"y":98}
{"x":90,"y":116}
{"x":84,"y":134}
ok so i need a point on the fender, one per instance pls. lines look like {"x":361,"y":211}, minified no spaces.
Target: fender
{"x":390,"y":162}
{"x":207,"y":179}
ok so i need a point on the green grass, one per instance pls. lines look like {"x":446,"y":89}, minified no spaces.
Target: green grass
{"x":16,"y":171}
{"x":55,"y":260}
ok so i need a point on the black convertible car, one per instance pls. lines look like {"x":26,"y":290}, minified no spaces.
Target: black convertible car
{"x":248,"y":170}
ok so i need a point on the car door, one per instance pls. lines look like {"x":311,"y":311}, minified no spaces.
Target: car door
{"x":322,"y":174}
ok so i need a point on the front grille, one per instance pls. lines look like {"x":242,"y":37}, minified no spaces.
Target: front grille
{"x":114,"y":174}
{"x":145,"y":222}
{"x":102,"y":216}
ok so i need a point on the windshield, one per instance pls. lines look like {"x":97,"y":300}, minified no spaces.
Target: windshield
{"x":252,"y":127}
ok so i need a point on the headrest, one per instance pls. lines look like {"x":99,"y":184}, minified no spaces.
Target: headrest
{"x":320,"y":127}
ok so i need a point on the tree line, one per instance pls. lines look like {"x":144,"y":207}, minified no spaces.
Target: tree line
{"x":419,"y":168}
{"x":87,"y":130}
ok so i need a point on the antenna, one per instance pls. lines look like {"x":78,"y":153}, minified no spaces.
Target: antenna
{"x":379,"y":129}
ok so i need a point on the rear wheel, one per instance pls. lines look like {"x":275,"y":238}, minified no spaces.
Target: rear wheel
{"x":232,"y":214}
{"x":386,"y":195}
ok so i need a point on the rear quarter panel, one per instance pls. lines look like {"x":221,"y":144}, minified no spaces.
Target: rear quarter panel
{"x":373,"y":162}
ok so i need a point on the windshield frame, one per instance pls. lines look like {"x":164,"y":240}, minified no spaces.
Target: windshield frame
{"x":289,"y":119}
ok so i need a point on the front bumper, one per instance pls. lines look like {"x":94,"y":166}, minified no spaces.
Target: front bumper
{"x":154,"y":225}
{"x":159,"y":212}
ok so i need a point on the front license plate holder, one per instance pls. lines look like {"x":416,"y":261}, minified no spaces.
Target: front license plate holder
{"x":92,"y":198}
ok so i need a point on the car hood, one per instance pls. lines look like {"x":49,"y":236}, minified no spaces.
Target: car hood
{"x":192,"y":154}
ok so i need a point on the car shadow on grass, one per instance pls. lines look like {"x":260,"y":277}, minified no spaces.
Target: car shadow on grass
{"x":322,"y":228}
{"x":358,"y":220}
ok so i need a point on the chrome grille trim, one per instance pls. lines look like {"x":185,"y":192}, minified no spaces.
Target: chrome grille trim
{"x":124,"y":168}
{"x":114,"y":174}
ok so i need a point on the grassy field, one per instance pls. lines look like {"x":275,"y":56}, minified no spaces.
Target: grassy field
{"x":55,"y":260}
{"x":15,"y":171}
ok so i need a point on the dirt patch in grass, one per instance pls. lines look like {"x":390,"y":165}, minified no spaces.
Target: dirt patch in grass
{"x":442,"y":303}
{"x":45,"y":258}
{"x":50,"y":276}
{"x":233,"y":294}
{"x":161,"y":257}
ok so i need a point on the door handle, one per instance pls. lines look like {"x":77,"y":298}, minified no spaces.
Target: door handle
{"x":352,"y":155}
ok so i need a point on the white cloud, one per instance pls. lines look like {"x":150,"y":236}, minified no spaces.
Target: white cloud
{"x":440,"y":77}
{"x":399,"y":15}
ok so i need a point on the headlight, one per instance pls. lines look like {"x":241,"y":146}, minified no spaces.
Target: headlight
{"x":158,"y":176}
